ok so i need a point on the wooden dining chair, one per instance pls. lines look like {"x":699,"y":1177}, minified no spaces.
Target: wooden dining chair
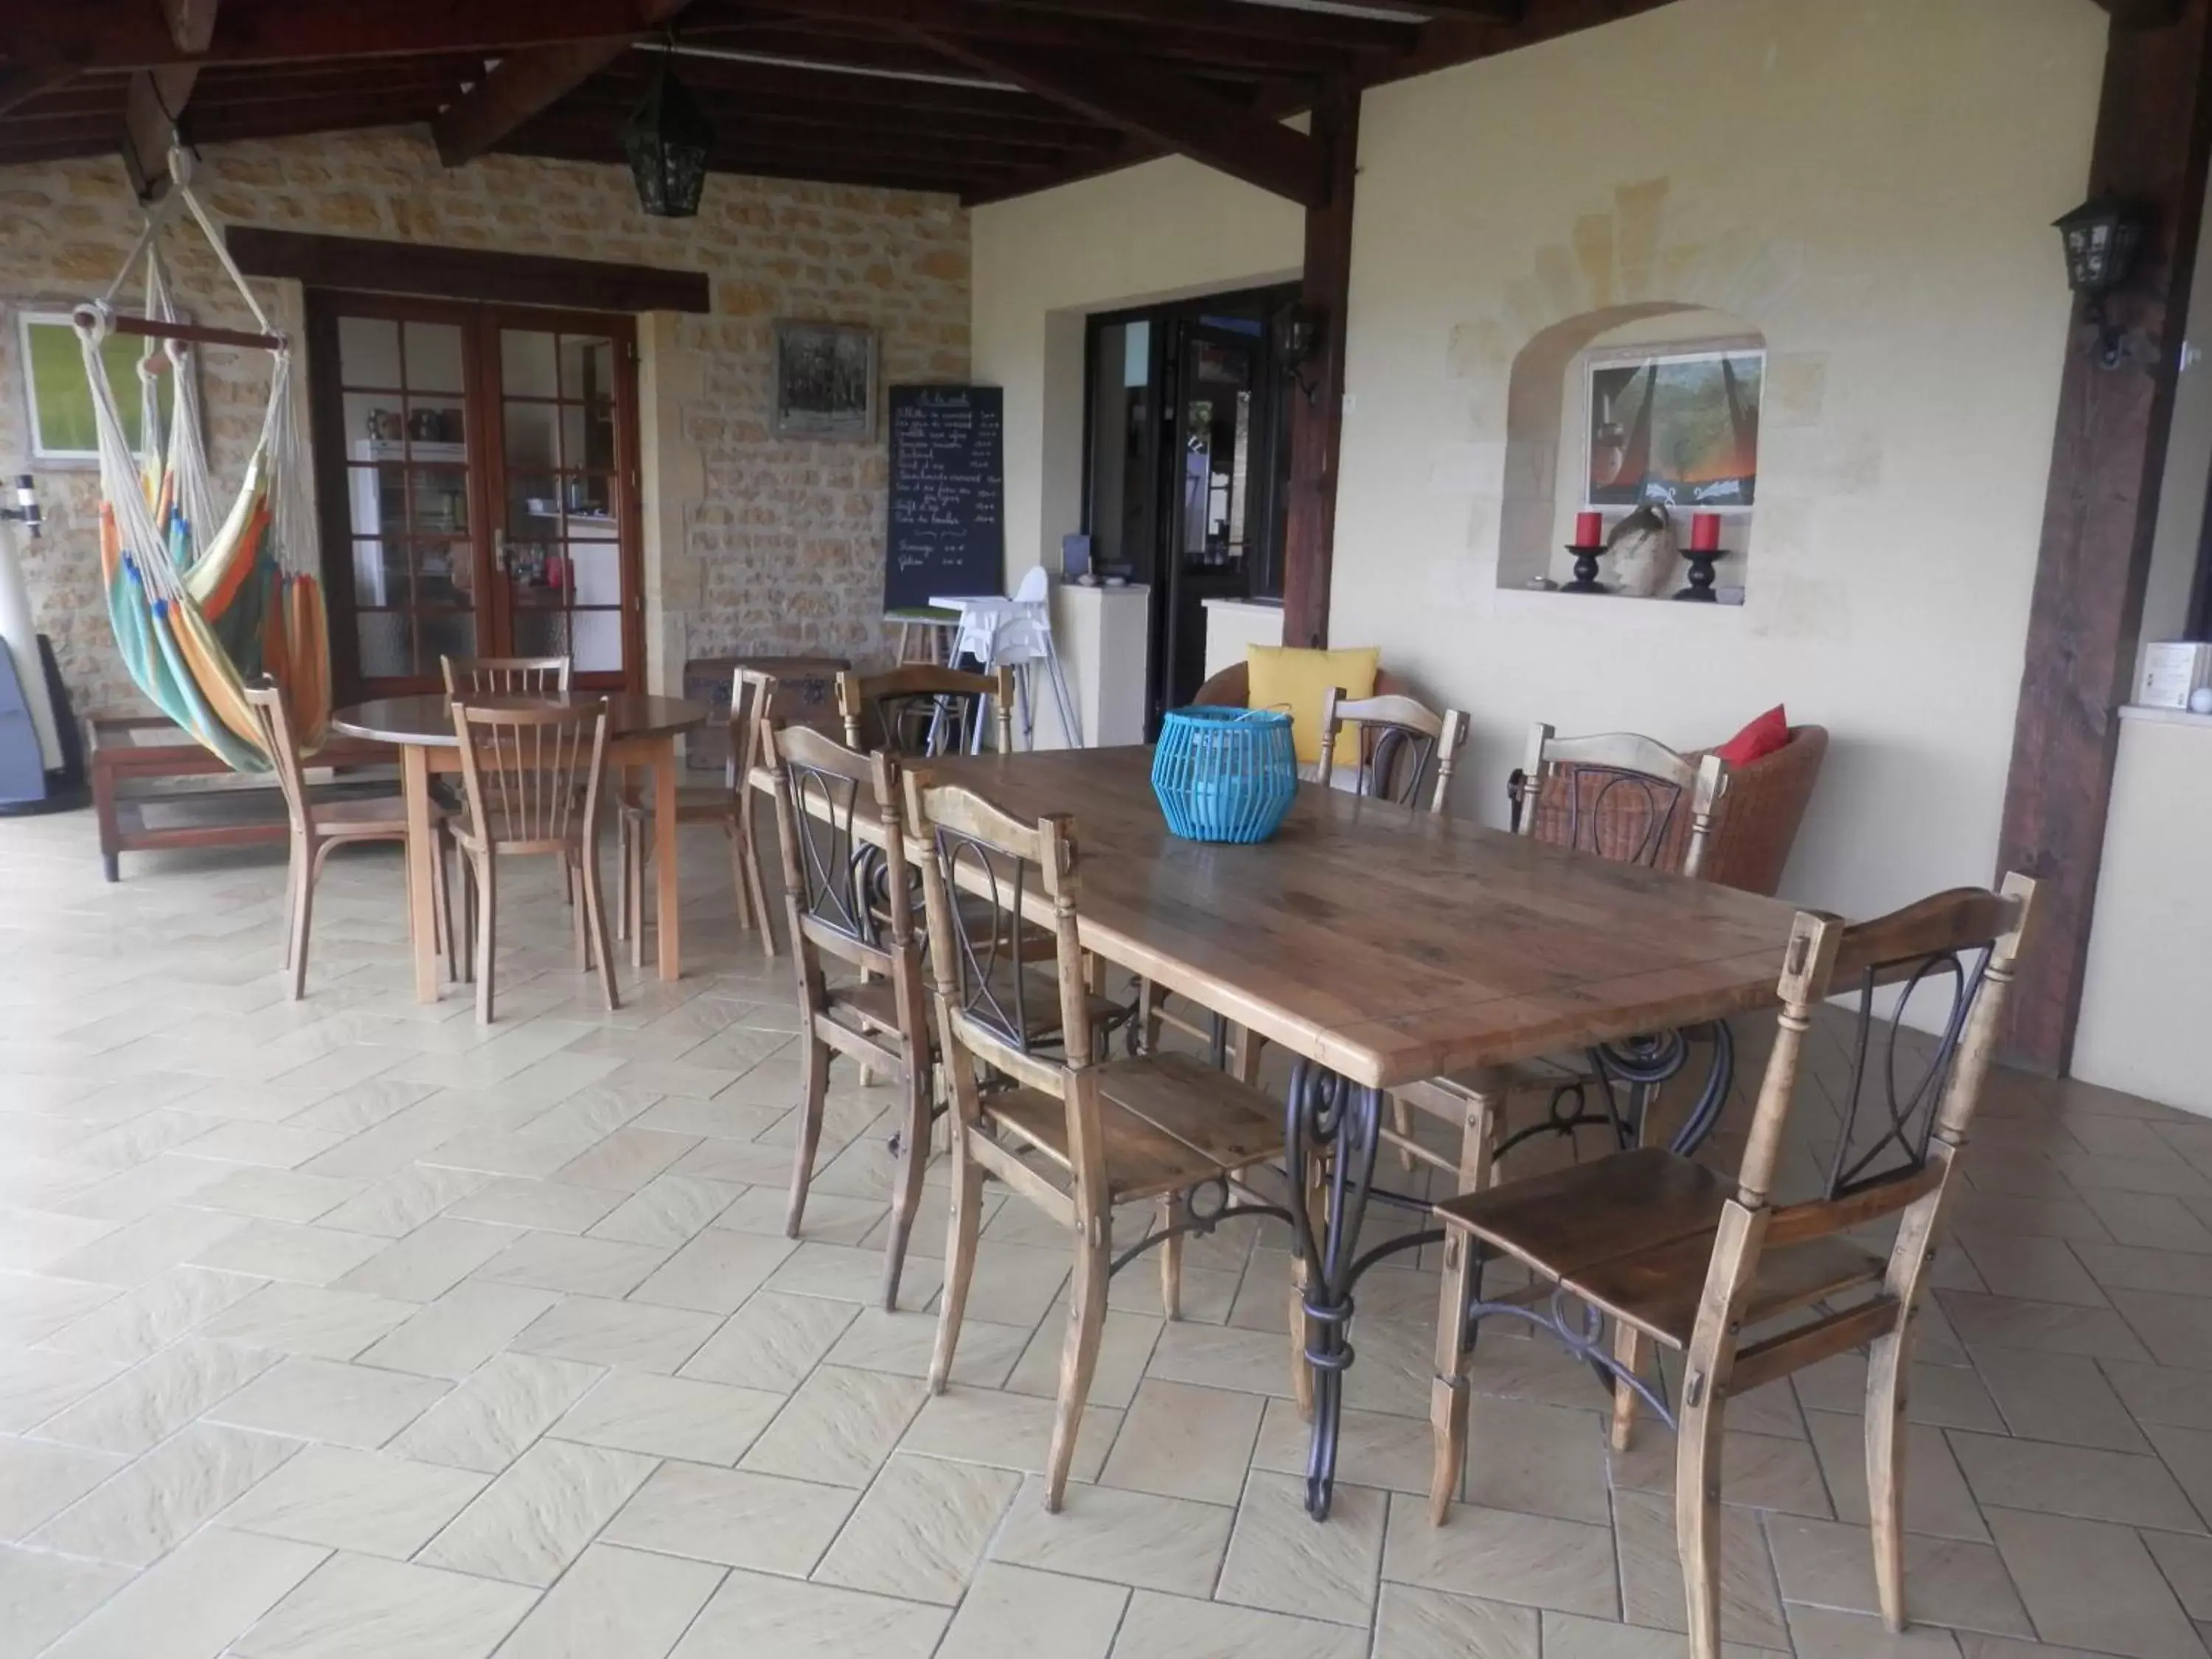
{"x":1072,"y":1132}
{"x":728,"y":805}
{"x":1705,"y":1266}
{"x":319,"y":826}
{"x":531,"y":777}
{"x":507,"y":676}
{"x":849,"y":901}
{"x":1403,"y":744}
{"x":1618,"y":796}
{"x":920,"y":710}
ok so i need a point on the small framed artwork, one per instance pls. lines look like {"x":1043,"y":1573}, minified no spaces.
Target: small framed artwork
{"x":58,"y":398}
{"x":1678,"y":427}
{"x":825,"y":380}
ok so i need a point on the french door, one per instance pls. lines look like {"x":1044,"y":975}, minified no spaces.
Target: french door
{"x":477,"y":471}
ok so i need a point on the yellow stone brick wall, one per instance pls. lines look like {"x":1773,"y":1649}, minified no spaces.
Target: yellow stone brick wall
{"x":754,"y":545}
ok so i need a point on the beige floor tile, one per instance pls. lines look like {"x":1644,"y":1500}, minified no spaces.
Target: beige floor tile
{"x":460,"y":1331}
{"x":2188,"y":1453}
{"x":1160,"y":1626}
{"x":201,"y":1598}
{"x":1421,"y":1623}
{"x":2175,"y":1330}
{"x":830,"y":1217}
{"x":130,"y":1255}
{"x":43,"y":1595}
{"x":430,"y":1260}
{"x":538,"y":1516}
{"x":846,"y":1272}
{"x":1569,"y":1636}
{"x":773,"y":1341}
{"x":2062,"y":1398}
{"x":667,"y":1211}
{"x":2186,"y":1561}
{"x":2089,"y":1584}
{"x":761,"y":1522}
{"x":599,"y":1331}
{"x":1168,"y":1544}
{"x":1757,"y":1470}
{"x":1540,"y":1459}
{"x":400,"y":1202}
{"x":287,"y":1250}
{"x":1281,"y":1559}
{"x":1374,"y":1449}
{"x":838,"y":1427}
{"x":904,"y":1342}
{"x":547,"y":1205}
{"x":615,"y":1604}
{"x":579,"y":1266}
{"x":370,"y":1502}
{"x":358,"y":1406}
{"x":2044,"y":1327}
{"x":1125,"y":1350}
{"x":755,"y":1614}
{"x":146,"y":1509}
{"x":716,"y":1272}
{"x":1500,"y":1555}
{"x":2161,"y":1394}
{"x":670,"y":1417}
{"x":275,"y":1194}
{"x":921,"y":1530}
{"x":152,"y":1401}
{"x":488,"y":1421}
{"x":33,"y":1308}
{"x":1937,"y":1497}
{"x":1824,"y":1633}
{"x":2035,"y":1270}
{"x":2096,"y":1485}
{"x":626,"y":1160}
{"x":356,"y":1607}
{"x":1212,"y":1356}
{"x":1013,"y":1613}
{"x":306,"y":1319}
{"x":1007,"y":1431}
{"x":1181,"y":1440}
{"x":39,"y":1478}
{"x":1828,"y":1564}
{"x":1651,"y":1572}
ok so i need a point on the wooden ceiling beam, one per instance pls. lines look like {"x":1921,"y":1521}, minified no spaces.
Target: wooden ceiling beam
{"x":945,"y":156}
{"x":154,"y":103}
{"x":1168,"y":109}
{"x":521,"y":85}
{"x":19,"y":86}
{"x":858,"y":95}
{"x":1049,"y":130}
{"x":892,"y":173}
{"x":2143,"y":14}
{"x":1338,"y":30}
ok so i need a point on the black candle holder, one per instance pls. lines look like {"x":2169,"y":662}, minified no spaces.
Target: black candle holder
{"x":1700,"y":589}
{"x":1586,"y":560}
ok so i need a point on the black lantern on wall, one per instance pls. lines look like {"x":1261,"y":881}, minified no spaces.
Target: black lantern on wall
{"x":667,"y":139}
{"x":1297,"y":340}
{"x":2102,"y":237}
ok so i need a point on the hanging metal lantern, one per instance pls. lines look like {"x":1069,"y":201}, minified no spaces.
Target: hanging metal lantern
{"x":666,"y":138}
{"x":2101,"y":239}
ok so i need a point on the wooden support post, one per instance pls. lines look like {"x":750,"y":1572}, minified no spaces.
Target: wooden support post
{"x":1317,"y":421}
{"x":2153,"y":133}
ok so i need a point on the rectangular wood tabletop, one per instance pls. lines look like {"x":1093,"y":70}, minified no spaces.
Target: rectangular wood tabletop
{"x":1388,"y":944}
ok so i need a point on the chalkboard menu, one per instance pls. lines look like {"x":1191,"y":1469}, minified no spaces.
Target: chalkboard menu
{"x":948,"y":494}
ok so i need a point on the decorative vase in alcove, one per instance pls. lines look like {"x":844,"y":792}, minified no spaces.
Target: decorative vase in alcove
{"x":1644,"y":552}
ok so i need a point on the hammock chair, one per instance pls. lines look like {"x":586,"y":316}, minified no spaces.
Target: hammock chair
{"x":200,"y":607}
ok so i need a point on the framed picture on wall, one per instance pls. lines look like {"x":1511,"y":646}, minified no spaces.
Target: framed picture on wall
{"x":825,"y":380}
{"x":1679,"y":427}
{"x":57,"y":397}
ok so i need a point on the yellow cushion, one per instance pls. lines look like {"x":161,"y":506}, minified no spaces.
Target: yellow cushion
{"x":1297,"y":681}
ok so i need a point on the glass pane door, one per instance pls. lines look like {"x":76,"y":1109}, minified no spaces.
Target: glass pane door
{"x":559,"y":544}
{"x":411,"y":549}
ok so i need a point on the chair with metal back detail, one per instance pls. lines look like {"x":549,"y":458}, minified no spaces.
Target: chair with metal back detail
{"x":849,"y":899}
{"x":1401,"y":744}
{"x":532,"y":779}
{"x":729,"y":805}
{"x":919,"y":710}
{"x":1074,"y":1134}
{"x":1706,"y":1267}
{"x":317,"y":826}
{"x":507,"y":676}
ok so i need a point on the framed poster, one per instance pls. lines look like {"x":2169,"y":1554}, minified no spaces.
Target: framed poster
{"x":58,"y":399}
{"x":1679,"y":428}
{"x":825,"y":380}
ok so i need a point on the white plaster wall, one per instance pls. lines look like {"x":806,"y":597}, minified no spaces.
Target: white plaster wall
{"x":2150,"y":948}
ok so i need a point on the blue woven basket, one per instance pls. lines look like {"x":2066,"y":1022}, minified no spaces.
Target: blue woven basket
{"x":1225,"y":773}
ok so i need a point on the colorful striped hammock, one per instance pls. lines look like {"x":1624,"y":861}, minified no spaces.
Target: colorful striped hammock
{"x":198,"y":609}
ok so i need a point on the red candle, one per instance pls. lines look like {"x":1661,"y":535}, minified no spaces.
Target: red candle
{"x":1706,"y":533}
{"x":1589,"y":530}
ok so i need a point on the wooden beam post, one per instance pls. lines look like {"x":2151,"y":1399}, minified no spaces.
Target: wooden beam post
{"x":523,"y":84}
{"x":154,"y":101}
{"x":1317,"y":422}
{"x":2100,"y":509}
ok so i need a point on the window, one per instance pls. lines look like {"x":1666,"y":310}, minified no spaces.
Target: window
{"x":1678,"y":428}
{"x":60,"y":400}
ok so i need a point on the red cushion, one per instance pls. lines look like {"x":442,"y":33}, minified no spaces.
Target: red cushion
{"x":1769,"y":732}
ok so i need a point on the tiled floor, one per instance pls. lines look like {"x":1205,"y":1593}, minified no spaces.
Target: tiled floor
{"x":347,"y":1328}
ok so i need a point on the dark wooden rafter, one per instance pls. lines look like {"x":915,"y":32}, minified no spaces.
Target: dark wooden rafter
{"x":2143,"y":14}
{"x":2100,"y":509}
{"x":21,"y":86}
{"x":368,"y":265}
{"x":1162,"y":106}
{"x":521,"y":86}
{"x":154,"y":103}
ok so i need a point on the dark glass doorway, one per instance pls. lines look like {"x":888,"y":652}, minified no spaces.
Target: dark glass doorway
{"x":1187,"y":461}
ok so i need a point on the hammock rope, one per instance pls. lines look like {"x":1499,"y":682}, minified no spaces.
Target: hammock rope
{"x":199,"y":606}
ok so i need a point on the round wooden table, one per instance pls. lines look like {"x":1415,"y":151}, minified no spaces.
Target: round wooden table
{"x":642,"y":733}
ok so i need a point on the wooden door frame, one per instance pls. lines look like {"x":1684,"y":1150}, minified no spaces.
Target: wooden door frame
{"x":480,"y":322}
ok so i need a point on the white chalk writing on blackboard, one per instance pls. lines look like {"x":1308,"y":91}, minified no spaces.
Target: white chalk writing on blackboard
{"x":948,"y":486}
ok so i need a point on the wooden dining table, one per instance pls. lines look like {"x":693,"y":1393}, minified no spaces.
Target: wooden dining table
{"x":641,"y":733}
{"x":1380,"y":947}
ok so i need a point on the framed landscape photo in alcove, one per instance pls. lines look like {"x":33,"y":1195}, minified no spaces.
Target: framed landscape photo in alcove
{"x":825,"y":380}
{"x":1679,"y":428}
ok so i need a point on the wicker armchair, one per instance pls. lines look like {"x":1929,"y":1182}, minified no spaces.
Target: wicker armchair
{"x":1755,"y":824}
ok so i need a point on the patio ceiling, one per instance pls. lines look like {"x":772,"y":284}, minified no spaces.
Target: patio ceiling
{"x":983,"y":97}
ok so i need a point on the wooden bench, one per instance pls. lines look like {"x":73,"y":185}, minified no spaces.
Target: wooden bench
{"x":133,"y":756}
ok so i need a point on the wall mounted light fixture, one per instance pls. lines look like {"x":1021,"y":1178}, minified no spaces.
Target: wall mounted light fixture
{"x":2102,"y":237}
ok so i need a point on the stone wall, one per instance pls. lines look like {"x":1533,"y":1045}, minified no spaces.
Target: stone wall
{"x":753,"y":544}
